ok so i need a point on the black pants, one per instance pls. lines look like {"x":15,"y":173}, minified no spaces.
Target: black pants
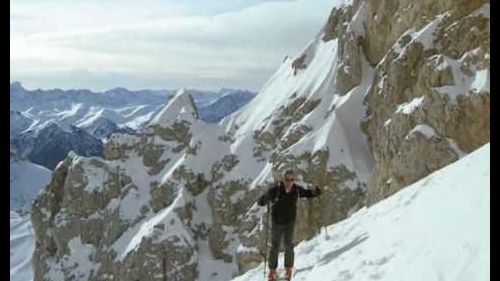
{"x":277,"y":232}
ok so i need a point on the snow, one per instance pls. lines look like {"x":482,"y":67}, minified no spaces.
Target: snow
{"x":132,"y":237}
{"x":340,"y":133}
{"x":236,"y":197}
{"x":408,"y":107}
{"x":264,"y":177}
{"x":358,"y":20}
{"x":481,"y":81}
{"x":426,"y":35}
{"x":210,"y":148}
{"x":484,"y":11}
{"x":211,"y":268}
{"x":20,"y":122}
{"x":387,"y":122}
{"x":474,"y":81}
{"x":23,"y":188}
{"x":427,"y":131}
{"x":179,"y":107}
{"x":454,"y":146}
{"x":334,"y":123}
{"x":439,"y":230}
{"x":79,"y":260}
{"x":95,"y":177}
{"x":22,"y":245}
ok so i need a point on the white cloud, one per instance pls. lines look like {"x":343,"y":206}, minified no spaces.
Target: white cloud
{"x":236,"y":43}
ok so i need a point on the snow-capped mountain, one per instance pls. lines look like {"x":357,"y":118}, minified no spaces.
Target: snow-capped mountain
{"x":384,"y":95}
{"x":18,"y":123}
{"x":435,"y":229}
{"x":228,"y":103}
{"x":38,"y":116}
{"x":50,"y":144}
{"x":126,"y":109}
{"x":102,"y":128}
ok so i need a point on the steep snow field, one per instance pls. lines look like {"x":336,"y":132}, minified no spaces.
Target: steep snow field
{"x":434,"y":230}
{"x":22,"y":243}
{"x":26,"y":180}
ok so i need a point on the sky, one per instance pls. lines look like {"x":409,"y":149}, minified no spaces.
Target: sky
{"x":153,"y":44}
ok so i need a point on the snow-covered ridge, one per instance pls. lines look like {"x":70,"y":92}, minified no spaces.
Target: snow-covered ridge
{"x":179,"y":107}
{"x":436,"y":229}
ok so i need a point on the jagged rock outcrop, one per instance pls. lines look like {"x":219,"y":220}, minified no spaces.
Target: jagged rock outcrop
{"x":429,"y":100}
{"x":430,"y":97}
{"x":380,"y":98}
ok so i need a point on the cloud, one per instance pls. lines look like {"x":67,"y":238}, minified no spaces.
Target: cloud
{"x":238,"y":43}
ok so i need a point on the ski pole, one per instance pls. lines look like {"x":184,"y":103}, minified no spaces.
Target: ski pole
{"x":324,"y":225}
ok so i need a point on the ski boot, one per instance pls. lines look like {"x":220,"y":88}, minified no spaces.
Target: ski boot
{"x":272,"y":275}
{"x":289,"y":273}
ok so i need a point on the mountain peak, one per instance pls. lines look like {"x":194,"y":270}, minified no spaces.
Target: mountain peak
{"x":16,"y":86}
{"x":180,"y":107}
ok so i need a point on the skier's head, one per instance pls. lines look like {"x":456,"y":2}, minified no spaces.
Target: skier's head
{"x":289,"y":178}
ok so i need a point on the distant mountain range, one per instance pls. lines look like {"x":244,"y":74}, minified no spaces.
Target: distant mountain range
{"x":46,"y":124}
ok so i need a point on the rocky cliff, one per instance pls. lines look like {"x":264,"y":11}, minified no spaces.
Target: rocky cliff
{"x":386,"y":93}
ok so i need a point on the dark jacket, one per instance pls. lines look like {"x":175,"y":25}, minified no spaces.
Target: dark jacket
{"x":284,"y":205}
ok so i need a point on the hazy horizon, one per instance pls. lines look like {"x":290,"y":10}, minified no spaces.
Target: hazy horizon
{"x":157,"y":45}
{"x":130,"y":89}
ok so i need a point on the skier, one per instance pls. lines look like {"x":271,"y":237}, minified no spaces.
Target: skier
{"x":283,"y":199}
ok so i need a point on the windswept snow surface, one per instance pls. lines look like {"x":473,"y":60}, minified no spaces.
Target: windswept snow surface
{"x":437,"y":229}
{"x":22,"y":244}
{"x":26,"y":180}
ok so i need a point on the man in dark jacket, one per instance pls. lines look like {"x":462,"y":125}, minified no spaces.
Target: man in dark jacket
{"x":283,"y":201}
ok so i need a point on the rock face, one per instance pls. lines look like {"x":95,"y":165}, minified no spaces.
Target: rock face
{"x":430,"y":98}
{"x":383,"y":96}
{"x":428,"y":104}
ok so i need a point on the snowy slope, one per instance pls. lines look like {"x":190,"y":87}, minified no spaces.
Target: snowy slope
{"x":435,"y":230}
{"x":333,"y":124}
{"x":26,"y":180}
{"x":22,"y":243}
